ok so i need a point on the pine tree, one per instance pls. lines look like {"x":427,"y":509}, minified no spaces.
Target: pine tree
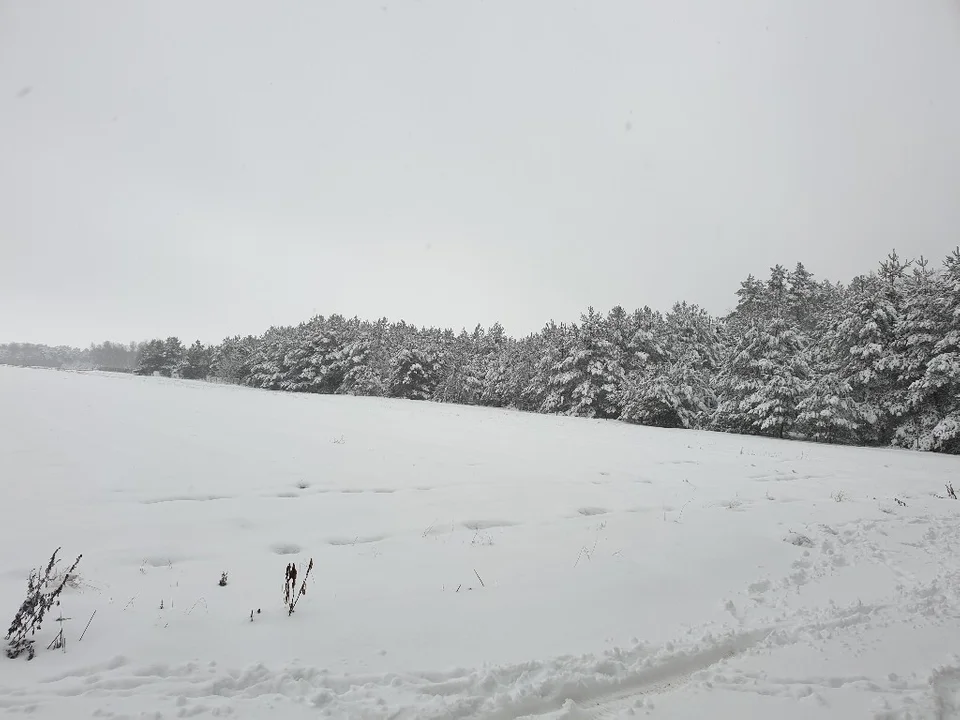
{"x":267,"y":362}
{"x":545,"y":352}
{"x":802,"y":293}
{"x":677,"y":390}
{"x":763,"y":380}
{"x":230,"y":360}
{"x":919,"y":328}
{"x":196,"y":362}
{"x":828,"y":412}
{"x":360,"y":376}
{"x":173,"y":354}
{"x":458,"y":355}
{"x":151,"y":358}
{"x":934,"y":398}
{"x":524,"y":384}
{"x":493,"y":362}
{"x":414,"y":374}
{"x":863,"y":341}
{"x":588,"y":380}
{"x":314,"y":359}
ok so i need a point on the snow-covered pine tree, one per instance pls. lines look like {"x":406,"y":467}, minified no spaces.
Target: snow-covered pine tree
{"x":230,"y":361}
{"x":454,"y":372}
{"x":327,"y":360}
{"x":803,"y":300}
{"x":751,"y":300}
{"x":150,"y":358}
{"x":173,"y":354}
{"x":546,"y":350}
{"x":268,"y":369}
{"x":863,"y":341}
{"x":678,"y":392}
{"x":475,"y":367}
{"x":493,"y":366}
{"x":764,"y":379}
{"x":360,"y":377}
{"x":196,"y":362}
{"x":934,"y":398}
{"x":920,"y":326}
{"x":524,"y":381}
{"x":414,"y":374}
{"x":828,"y":413}
{"x":297,"y":362}
{"x":588,"y":379}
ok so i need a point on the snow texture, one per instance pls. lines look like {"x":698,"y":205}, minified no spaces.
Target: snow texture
{"x":469,"y":562}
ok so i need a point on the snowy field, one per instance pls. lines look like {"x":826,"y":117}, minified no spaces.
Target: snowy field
{"x":470,"y":563}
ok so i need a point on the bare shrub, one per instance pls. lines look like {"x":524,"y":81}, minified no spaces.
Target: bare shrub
{"x":40,"y":599}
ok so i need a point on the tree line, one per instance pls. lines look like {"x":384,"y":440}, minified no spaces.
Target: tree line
{"x":872,"y":362}
{"x":116,"y":357}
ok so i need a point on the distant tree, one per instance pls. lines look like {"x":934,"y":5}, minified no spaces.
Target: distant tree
{"x":230,"y":360}
{"x":268,"y":368}
{"x":196,"y":362}
{"x":173,"y":355}
{"x":152,"y":358}
{"x":876,"y":361}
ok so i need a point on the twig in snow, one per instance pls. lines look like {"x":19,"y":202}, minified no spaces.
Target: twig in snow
{"x":589,"y":553}
{"x":88,"y":625}
{"x":60,"y":641}
{"x":950,"y":490}
{"x":680,"y":515}
{"x":303,"y":589}
{"x":478,"y":577}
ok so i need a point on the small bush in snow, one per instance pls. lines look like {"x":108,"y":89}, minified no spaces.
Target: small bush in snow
{"x":950,"y":491}
{"x":40,"y":598}
{"x":839,"y":496}
{"x":223,"y":579}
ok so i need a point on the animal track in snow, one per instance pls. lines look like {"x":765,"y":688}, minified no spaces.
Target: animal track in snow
{"x":487,"y":524}
{"x":185,"y":498}
{"x":285,"y":548}
{"x":358,"y":540}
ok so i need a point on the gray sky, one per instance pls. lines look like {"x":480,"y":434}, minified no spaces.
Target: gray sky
{"x":212,"y":168}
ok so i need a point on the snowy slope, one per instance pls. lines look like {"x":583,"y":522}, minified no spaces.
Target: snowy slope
{"x":470,"y":563}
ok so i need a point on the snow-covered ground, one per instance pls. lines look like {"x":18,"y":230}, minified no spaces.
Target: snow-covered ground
{"x":470,"y":563}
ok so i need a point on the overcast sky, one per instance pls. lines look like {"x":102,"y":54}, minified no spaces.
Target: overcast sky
{"x":212,"y":168}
